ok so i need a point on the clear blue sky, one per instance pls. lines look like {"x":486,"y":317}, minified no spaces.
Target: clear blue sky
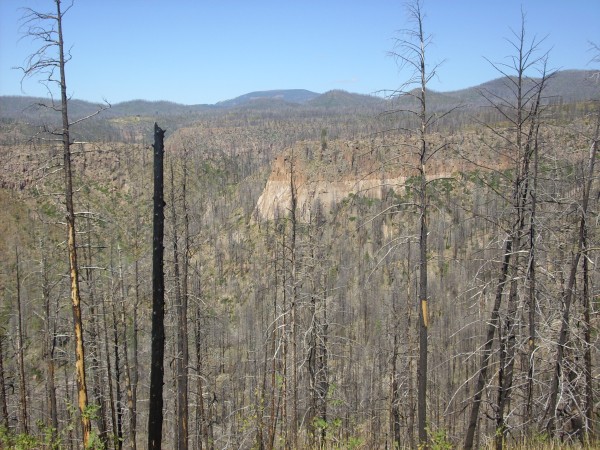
{"x":205,"y":51}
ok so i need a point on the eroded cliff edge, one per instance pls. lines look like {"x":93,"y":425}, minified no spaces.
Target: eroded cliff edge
{"x":326,"y":174}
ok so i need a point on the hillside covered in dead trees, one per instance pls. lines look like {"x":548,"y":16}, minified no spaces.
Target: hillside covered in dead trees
{"x":340,"y":270}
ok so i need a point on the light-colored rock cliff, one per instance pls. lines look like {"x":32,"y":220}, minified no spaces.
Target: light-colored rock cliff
{"x":327,"y":176}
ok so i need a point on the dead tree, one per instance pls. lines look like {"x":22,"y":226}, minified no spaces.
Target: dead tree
{"x":3,"y":402}
{"x":49,"y":345}
{"x":23,"y":419}
{"x":155,"y":417}
{"x":522,"y":112}
{"x":49,"y":61}
{"x":410,"y":53}
{"x":182,"y":344}
{"x":567,"y":297}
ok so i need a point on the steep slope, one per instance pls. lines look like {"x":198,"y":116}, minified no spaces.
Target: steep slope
{"x":327,"y":174}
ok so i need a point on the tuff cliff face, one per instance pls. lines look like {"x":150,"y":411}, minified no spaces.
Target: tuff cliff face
{"x":276,"y":198}
{"x":328,"y":174}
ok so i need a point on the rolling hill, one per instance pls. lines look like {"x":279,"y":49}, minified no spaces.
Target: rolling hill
{"x":565,"y":86}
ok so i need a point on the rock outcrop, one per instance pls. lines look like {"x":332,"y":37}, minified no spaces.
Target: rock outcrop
{"x":276,"y":198}
{"x":328,"y":174}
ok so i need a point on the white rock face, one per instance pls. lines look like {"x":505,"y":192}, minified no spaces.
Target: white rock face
{"x":276,"y":198}
{"x":346,"y":169}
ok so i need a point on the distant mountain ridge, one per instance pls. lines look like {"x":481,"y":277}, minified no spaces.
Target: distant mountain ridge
{"x":299,"y":96}
{"x":566,"y":86}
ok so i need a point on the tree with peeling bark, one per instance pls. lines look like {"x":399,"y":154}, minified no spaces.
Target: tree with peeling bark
{"x":49,"y":61}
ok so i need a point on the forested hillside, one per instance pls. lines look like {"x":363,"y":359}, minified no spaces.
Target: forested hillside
{"x":341,"y":270}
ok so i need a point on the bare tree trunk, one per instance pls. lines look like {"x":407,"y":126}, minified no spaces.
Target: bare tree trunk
{"x":507,"y":353}
{"x":323,"y":366}
{"x":127,"y":368}
{"x":532,"y":291}
{"x":294,"y":305}
{"x":183,"y":346}
{"x":71,"y":244}
{"x":202,"y":439}
{"x":569,"y":290}
{"x":394,"y":400}
{"x":524,"y":121}
{"x":411,"y":53}
{"x":285,"y":343}
{"x":116,"y":347}
{"x":49,"y":345}
{"x":23,"y":418}
{"x":202,"y":417}
{"x":134,"y":350}
{"x":493,"y":324}
{"x":423,"y":263}
{"x":408,"y":339}
{"x":181,"y":317}
{"x":97,"y":388}
{"x":109,"y":378}
{"x":155,"y":417}
{"x":70,"y":415}
{"x":275,"y":399}
{"x":260,"y":413}
{"x":423,"y":322}
{"x":508,"y":340}
{"x":3,"y":398}
{"x":39,"y":63}
{"x":587,"y":342}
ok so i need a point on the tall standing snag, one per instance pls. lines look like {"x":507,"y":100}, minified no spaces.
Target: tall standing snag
{"x":522,"y":110}
{"x":410,"y":53}
{"x":568,"y":294}
{"x":155,"y":418}
{"x":50,"y":60}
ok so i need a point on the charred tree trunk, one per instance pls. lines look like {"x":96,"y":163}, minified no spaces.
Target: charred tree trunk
{"x":155,"y":418}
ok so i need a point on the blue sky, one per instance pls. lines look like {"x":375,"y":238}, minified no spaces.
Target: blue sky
{"x":205,"y":51}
